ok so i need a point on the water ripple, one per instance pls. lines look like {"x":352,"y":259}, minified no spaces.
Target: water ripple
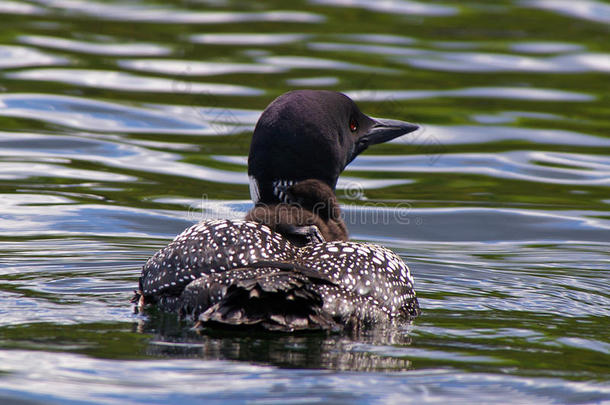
{"x":169,"y":15}
{"x":425,"y":58}
{"x":19,"y":56}
{"x":521,"y":165}
{"x":586,"y":9}
{"x":394,"y":7}
{"x":380,"y":38}
{"x":29,"y":170}
{"x":385,"y":45}
{"x":516,"y":93}
{"x":324,"y":81}
{"x":36,"y":215}
{"x":78,"y":378}
{"x":497,"y":62}
{"x":108,"y":79}
{"x":435,"y":136}
{"x":305,"y":62}
{"x":366,"y":49}
{"x":247,"y":39}
{"x":507,"y":117}
{"x":14,"y":7}
{"x":194,"y":68}
{"x":546,"y":47}
{"x":405,"y":225}
{"x":498,"y":204}
{"x":227,"y":120}
{"x":112,"y":154}
{"x":110,"y":48}
{"x":95,"y":115}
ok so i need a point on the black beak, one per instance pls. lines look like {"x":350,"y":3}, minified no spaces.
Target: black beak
{"x":382,"y":131}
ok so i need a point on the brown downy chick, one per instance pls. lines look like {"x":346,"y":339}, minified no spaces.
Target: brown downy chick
{"x":311,"y":214}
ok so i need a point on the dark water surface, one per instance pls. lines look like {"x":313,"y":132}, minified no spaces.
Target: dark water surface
{"x":123,"y":122}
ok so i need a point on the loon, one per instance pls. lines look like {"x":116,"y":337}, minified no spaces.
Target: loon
{"x":288,"y":265}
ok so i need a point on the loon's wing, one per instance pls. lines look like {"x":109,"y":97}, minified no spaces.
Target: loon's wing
{"x":285,"y":296}
{"x":371,"y":276}
{"x":270,"y":297}
{"x":206,"y":248}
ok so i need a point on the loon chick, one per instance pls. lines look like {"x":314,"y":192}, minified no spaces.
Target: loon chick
{"x":312,"y":214}
{"x":289,"y":265}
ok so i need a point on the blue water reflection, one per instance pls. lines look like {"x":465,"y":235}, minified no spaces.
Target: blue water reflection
{"x":103,"y":79}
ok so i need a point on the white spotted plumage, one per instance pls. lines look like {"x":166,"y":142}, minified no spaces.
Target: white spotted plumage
{"x":364,"y":277}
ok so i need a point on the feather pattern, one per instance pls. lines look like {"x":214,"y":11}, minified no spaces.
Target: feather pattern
{"x":243,"y":273}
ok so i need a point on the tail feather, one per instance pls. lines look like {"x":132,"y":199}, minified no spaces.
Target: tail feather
{"x":281,"y":301}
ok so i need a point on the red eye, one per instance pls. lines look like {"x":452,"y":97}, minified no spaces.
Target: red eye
{"x":353,"y":125}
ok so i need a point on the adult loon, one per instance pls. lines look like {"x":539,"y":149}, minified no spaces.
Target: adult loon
{"x":288,"y":266}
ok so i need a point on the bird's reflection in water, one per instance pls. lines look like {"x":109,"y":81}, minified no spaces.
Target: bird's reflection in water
{"x":365,"y":350}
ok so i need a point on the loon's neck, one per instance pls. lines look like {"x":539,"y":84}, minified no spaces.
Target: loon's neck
{"x":276,"y":191}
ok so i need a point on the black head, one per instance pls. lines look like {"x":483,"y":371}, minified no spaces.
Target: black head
{"x":311,"y":134}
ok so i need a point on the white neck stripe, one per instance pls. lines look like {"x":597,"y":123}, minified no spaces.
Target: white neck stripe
{"x":255,"y":193}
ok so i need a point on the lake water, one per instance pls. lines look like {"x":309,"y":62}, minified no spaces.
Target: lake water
{"x":123,"y":122}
